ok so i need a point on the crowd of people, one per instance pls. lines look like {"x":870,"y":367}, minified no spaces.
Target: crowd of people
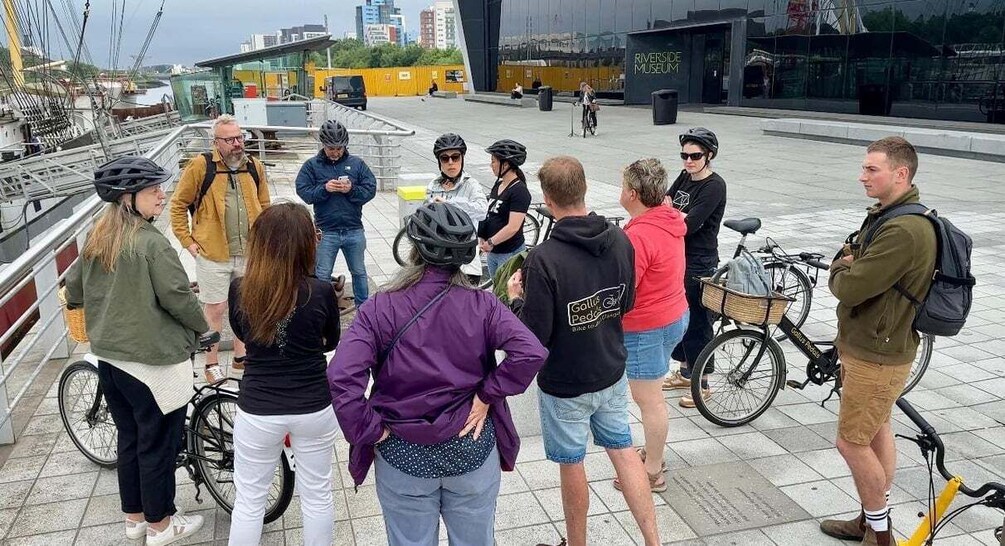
{"x":415,"y":385}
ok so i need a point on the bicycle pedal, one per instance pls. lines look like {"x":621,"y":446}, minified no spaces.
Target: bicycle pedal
{"x":792,"y":383}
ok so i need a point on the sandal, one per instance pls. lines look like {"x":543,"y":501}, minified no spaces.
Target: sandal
{"x":642,"y":453}
{"x":657,"y":483}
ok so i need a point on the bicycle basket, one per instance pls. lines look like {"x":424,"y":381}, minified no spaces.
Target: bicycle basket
{"x":74,"y":319}
{"x":742,"y":307}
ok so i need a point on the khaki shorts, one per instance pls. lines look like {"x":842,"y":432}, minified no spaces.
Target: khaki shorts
{"x":214,"y":277}
{"x":868,"y":393}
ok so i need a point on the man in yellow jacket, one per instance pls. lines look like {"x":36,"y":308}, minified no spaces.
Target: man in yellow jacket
{"x":217,"y":233}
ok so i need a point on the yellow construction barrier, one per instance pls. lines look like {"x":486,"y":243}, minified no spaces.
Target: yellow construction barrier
{"x":404,"y":81}
{"x":560,"y":78}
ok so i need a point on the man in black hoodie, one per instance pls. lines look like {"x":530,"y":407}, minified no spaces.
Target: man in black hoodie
{"x":572,"y":293}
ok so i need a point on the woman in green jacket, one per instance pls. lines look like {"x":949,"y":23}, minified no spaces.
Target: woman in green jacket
{"x":143,"y":322}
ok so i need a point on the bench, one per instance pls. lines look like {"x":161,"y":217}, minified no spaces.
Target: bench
{"x":445,"y":94}
{"x":970,"y":145}
{"x":502,"y":100}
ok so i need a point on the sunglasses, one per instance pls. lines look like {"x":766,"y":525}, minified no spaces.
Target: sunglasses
{"x":231,"y":140}
{"x":450,"y":158}
{"x":693,"y":156}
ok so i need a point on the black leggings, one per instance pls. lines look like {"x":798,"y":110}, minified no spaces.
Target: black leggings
{"x":699,"y":327}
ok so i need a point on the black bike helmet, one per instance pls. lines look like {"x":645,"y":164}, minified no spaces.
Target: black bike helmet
{"x":449,"y":141}
{"x":443,"y":234}
{"x":702,"y":137}
{"x":333,"y":133}
{"x":128,"y":174}
{"x":509,"y":151}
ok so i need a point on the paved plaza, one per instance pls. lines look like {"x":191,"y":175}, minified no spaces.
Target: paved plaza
{"x":806,"y":193}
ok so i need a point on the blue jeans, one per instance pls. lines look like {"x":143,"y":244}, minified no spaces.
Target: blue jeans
{"x":495,"y":260}
{"x":412,"y":506}
{"x":566,"y":422}
{"x":352,"y":243}
{"x":649,"y":350}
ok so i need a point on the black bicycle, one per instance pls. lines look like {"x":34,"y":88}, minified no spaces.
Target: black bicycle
{"x":589,"y":121}
{"x":208,"y":449}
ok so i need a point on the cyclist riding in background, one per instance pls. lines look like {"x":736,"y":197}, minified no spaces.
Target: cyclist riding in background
{"x":588,"y":99}
{"x":458,"y":188}
{"x":143,"y":322}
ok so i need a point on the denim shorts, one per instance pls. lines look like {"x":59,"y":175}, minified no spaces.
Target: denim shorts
{"x":649,"y":350}
{"x":567,"y":422}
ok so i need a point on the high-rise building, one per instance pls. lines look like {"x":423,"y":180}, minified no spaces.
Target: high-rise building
{"x":380,"y":12}
{"x":303,"y":32}
{"x":446,"y":27}
{"x":374,"y":35}
{"x":427,"y":28}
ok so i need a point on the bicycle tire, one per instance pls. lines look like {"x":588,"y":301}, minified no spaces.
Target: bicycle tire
{"x":711,"y":408}
{"x":220,"y":438}
{"x":531,"y":230}
{"x":920,"y":364}
{"x":78,"y":388}
{"x":401,"y":248}
{"x":801,"y":291}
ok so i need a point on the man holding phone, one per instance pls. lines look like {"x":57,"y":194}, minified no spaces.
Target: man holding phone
{"x":338,"y":184}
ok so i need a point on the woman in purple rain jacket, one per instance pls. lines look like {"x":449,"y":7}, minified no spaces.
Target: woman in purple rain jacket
{"x":436,"y":425}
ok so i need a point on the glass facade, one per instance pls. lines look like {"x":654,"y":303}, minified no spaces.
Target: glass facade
{"x":938,"y":59}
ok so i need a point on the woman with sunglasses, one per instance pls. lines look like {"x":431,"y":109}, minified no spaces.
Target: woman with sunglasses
{"x":456,"y":187}
{"x":700,"y":194}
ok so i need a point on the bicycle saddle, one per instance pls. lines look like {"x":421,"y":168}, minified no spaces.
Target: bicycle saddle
{"x":745,"y":226}
{"x":545,"y":212}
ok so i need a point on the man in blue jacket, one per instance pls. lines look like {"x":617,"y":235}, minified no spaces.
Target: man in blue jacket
{"x":338,"y":185}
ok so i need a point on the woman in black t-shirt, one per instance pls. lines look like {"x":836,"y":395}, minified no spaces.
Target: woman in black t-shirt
{"x":500,"y":234}
{"x":700,"y":194}
{"x":288,"y":319}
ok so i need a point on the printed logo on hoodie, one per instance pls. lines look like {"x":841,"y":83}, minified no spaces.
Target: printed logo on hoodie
{"x":589,"y":312}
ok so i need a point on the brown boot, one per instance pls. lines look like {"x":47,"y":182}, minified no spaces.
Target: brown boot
{"x":842,"y":529}
{"x":880,"y":538}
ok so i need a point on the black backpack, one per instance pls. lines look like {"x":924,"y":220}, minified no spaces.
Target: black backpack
{"x":207,"y":180}
{"x":944,"y":310}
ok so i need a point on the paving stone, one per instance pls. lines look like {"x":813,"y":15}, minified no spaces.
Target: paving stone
{"x":33,"y":446}
{"x":749,"y":446}
{"x":669,"y":525}
{"x":703,"y":451}
{"x":784,"y":469}
{"x":60,"y":488}
{"x":13,"y":494}
{"x":545,"y":533}
{"x":606,"y":529}
{"x":541,"y":474}
{"x":799,"y":534}
{"x":48,"y":539}
{"x":518,"y":510}
{"x":827,"y":462}
{"x":60,"y":464}
{"x":798,"y":439}
{"x":821,"y":498}
{"x":7,"y":516}
{"x":551,"y":501}
{"x":42,"y":518}
{"x":809,"y":414}
{"x":742,"y":538}
{"x":363,"y":502}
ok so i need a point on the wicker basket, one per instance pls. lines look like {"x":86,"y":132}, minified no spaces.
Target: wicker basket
{"x":742,"y":307}
{"x":74,"y":319}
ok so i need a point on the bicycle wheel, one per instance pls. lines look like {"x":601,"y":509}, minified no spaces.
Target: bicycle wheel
{"x":791,"y":281}
{"x":85,"y":414}
{"x":531,"y":230}
{"x":401,"y":248}
{"x":742,"y":385}
{"x":920,"y":364}
{"x":211,"y":446}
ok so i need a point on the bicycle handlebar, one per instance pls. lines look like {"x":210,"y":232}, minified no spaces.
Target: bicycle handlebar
{"x":207,"y":340}
{"x":813,"y":260}
{"x":928,"y":431}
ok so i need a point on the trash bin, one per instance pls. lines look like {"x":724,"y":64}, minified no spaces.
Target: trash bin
{"x":409,"y":199}
{"x":664,"y":107}
{"x":544,"y":98}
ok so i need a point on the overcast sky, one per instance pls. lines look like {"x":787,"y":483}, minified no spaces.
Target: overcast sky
{"x":195,"y":30}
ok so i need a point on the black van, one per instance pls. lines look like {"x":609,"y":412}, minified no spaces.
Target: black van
{"x":346,"y":90}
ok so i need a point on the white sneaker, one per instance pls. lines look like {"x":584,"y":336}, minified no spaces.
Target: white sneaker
{"x":214,"y":374}
{"x":135,"y":529}
{"x":178,"y":528}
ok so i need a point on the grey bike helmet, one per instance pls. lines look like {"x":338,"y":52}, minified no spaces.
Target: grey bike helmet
{"x":509,"y":151}
{"x":334,"y":133}
{"x":443,"y":234}
{"x":449,"y":141}
{"x":128,"y":174}
{"x":702,"y":137}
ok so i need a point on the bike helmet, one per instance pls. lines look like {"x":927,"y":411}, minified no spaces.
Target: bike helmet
{"x":333,"y":133}
{"x":449,"y":141}
{"x":509,"y":151}
{"x":702,"y":137}
{"x":443,"y":234}
{"x":128,"y":174}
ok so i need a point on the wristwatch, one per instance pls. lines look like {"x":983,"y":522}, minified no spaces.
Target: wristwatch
{"x":490,"y":243}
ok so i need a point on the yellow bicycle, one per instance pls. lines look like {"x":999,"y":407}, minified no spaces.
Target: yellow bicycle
{"x":991,"y":494}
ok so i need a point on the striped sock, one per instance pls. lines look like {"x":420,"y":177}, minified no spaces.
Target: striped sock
{"x":878,"y":519}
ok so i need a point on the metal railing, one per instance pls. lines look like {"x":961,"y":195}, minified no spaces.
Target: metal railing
{"x":37,"y":271}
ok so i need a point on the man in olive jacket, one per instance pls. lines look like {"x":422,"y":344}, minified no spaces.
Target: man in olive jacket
{"x":876,"y":341}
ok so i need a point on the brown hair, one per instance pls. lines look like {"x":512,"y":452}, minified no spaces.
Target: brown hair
{"x":899,"y":152}
{"x":563,"y":181}
{"x":281,"y":248}
{"x":649,"y":179}
{"x":113,"y":233}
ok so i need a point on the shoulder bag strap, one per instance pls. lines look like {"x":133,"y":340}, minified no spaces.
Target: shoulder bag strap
{"x":394,"y":341}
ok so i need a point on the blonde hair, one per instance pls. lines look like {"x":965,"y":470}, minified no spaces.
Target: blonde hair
{"x":649,"y":179}
{"x":114,"y":232}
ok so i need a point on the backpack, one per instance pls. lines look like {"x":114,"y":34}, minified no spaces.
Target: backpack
{"x":746,"y":274}
{"x":944,"y":309}
{"x":207,"y":180}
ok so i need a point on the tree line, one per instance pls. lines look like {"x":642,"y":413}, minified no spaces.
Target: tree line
{"x":352,"y":53}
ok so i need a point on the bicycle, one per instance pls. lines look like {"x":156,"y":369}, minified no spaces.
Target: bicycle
{"x":754,"y":383}
{"x":991,"y":494}
{"x":208,"y":449}
{"x":589,"y":121}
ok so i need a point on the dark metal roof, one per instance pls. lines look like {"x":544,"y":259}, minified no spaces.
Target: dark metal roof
{"x":310,"y":44}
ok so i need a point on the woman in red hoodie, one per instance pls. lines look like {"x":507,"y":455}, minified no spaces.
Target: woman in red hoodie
{"x":659,"y":319}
